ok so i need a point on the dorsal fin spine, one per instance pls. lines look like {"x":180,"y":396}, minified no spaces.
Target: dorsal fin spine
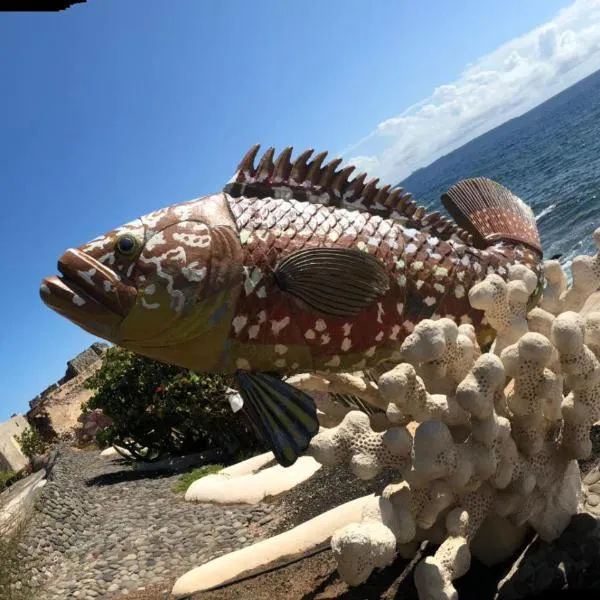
{"x":324,"y":184}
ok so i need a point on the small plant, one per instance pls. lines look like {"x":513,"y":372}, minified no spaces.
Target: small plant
{"x":31,"y":442}
{"x":7,"y":478}
{"x":184,"y":482}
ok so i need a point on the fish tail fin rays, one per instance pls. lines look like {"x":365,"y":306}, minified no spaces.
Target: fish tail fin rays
{"x":491,"y":213}
{"x":282,"y":415}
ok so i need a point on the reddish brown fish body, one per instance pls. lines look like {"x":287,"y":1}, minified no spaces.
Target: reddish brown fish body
{"x":429,"y":278}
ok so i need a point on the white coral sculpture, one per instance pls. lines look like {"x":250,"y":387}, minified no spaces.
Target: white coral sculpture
{"x":477,"y":438}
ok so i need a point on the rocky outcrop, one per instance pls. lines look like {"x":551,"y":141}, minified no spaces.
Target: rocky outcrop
{"x":55,"y":412}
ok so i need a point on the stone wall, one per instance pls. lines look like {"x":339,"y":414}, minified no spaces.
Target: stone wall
{"x":11,"y":457}
{"x":56,"y":410}
{"x":76,"y":366}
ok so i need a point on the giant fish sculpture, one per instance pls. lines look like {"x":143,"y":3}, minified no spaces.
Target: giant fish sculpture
{"x":293,"y":267}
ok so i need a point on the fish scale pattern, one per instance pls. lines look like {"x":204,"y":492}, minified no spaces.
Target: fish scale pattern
{"x":423,"y":274}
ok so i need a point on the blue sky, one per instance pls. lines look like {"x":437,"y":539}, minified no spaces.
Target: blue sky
{"x":112,"y":109}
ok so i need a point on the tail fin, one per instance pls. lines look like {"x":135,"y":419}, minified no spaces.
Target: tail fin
{"x":491,"y":212}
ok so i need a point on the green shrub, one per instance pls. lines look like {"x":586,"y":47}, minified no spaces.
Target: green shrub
{"x":6,"y":478}
{"x":187,"y":479}
{"x":160,"y":409}
{"x":31,"y":442}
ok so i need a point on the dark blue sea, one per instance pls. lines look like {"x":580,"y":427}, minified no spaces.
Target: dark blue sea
{"x":550,"y":157}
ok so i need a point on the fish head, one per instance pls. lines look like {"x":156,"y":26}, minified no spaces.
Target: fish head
{"x":163,"y":285}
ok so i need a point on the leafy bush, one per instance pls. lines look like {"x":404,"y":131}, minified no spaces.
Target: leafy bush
{"x":160,"y":409}
{"x":31,"y":442}
{"x":6,"y":479}
{"x":187,"y":479}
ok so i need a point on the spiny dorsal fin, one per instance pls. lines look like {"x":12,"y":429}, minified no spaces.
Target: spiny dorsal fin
{"x":491,"y":212}
{"x":318,"y":182}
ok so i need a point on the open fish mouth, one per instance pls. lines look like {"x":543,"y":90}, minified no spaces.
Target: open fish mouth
{"x":88,"y":293}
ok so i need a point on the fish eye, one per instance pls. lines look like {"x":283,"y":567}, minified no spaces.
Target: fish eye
{"x":126,"y":244}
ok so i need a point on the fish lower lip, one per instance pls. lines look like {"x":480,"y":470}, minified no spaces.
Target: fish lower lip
{"x":90,"y":278}
{"x":78,"y":306}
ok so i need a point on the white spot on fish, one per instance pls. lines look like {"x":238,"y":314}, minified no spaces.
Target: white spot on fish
{"x":347,"y":328}
{"x":395,"y":332}
{"x":242,"y":363}
{"x":325,"y":339}
{"x":439,"y":287}
{"x":295,"y":365}
{"x":245,"y":236}
{"x":380,"y":312}
{"x":320,"y":325}
{"x":261,"y":292}
{"x":156,"y":240}
{"x":310,"y":335}
{"x":107,"y":259}
{"x":192,"y":273}
{"x":400,"y":308}
{"x":78,"y":300}
{"x":148,"y":290}
{"x":408,"y":325}
{"x":370,"y":351}
{"x":466,"y":319}
{"x":334,"y":362}
{"x":410,"y":248}
{"x":459,"y":291}
{"x":419,"y":283}
{"x":252,"y":277}
{"x":108,"y":286}
{"x":280,"y":349}
{"x":379,"y":336}
{"x":239,"y":323}
{"x":346,"y":344}
{"x":88,"y":275}
{"x":150,"y":305}
{"x":253,"y":331}
{"x":429,"y":300}
{"x":280,"y":362}
{"x":262,"y":316}
{"x":277,"y":326}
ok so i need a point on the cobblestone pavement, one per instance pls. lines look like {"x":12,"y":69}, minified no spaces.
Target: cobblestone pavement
{"x":101,"y":529}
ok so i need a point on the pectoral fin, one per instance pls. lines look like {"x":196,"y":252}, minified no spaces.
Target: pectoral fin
{"x":285,"y":417}
{"x":335,"y":281}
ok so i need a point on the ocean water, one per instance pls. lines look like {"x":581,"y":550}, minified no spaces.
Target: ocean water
{"x":549,"y":157}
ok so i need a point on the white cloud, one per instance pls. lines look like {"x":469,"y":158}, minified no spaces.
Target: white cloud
{"x":502,"y":85}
